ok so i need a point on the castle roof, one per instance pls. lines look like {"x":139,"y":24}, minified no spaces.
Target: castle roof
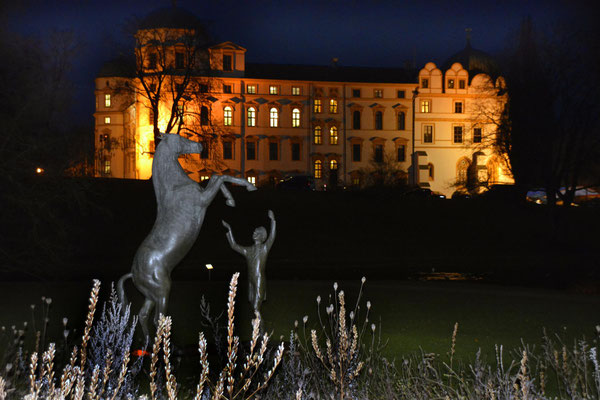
{"x":329,"y":73}
{"x":473,"y":60}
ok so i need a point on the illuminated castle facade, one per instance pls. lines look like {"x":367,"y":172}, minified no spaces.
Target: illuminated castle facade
{"x":267,"y":121}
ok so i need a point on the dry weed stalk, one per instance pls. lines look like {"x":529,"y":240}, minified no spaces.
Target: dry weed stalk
{"x":203,"y":364}
{"x":227,"y":382}
{"x":2,"y":388}
{"x":342,"y":361}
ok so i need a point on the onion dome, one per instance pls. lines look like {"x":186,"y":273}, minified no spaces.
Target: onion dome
{"x":473,"y":60}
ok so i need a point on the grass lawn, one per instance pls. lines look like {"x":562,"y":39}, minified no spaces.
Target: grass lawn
{"x":412,"y":314}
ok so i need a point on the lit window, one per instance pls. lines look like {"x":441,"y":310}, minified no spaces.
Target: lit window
{"x":227,"y":89}
{"x":355,"y":92}
{"x":107,"y":102}
{"x":295,"y":90}
{"x":295,"y":118}
{"x":450,"y":83}
{"x":107,"y":120}
{"x":378,"y":156}
{"x":401,"y":121}
{"x":106,"y":167}
{"x":251,"y":89}
{"x":356,"y":181}
{"x":317,"y":106}
{"x":356,"y":152}
{"x":227,"y":116}
{"x":424,"y":83}
{"x":458,"y":107}
{"x":295,"y":151}
{"x":356,"y":120}
{"x":458,"y":134}
{"x":228,"y":150}
{"x":318,"y":135}
{"x":333,"y":106}
{"x":273,"y":118}
{"x":401,"y":94}
{"x":204,"y":177}
{"x":462,"y":171}
{"x":251,"y":116}
{"x":318,"y":169}
{"x":425,"y":106}
{"x":180,"y":114}
{"x":179,"y":60}
{"x":273,"y":89}
{"x":333,"y":165}
{"x":461,"y":84}
{"x":379,"y":120}
{"x":378,"y":93}
{"x":401,"y":156}
{"x":427,"y":133}
{"x":251,"y":151}
{"x":227,"y":62}
{"x":477,"y":135}
{"x":252,"y":179}
{"x":333,"y":135}
{"x":273,"y":151}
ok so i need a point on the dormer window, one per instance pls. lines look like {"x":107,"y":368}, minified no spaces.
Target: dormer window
{"x":227,"y":62}
{"x":461,"y":84}
{"x":424,"y":83}
{"x":450,"y":83}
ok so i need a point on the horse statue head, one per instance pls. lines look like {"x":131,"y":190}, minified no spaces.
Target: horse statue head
{"x":178,"y":145}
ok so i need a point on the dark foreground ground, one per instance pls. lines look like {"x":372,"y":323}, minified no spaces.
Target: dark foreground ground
{"x":321,"y":236}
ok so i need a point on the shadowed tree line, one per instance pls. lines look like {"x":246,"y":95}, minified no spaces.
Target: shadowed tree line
{"x":550,"y":128}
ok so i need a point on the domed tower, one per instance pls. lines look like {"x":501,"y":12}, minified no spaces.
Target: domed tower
{"x":473,"y":60}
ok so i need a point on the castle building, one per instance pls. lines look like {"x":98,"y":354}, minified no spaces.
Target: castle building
{"x":267,"y":121}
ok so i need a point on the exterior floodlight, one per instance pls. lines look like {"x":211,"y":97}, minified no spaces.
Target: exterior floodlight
{"x":209,"y":266}
{"x":39,"y":170}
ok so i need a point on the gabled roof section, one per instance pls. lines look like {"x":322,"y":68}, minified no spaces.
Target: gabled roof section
{"x":227,"y":46}
{"x":330,"y":73}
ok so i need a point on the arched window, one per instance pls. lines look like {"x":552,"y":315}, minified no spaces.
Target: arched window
{"x":430,"y":171}
{"x":204,"y":115}
{"x":379,"y":120}
{"x":273,"y":118}
{"x":333,"y":135}
{"x":356,"y":120}
{"x":401,"y":121}
{"x":318,"y":135}
{"x":295,"y":118}
{"x":333,"y":165}
{"x":251,"y":116}
{"x":227,"y":116}
{"x":318,"y":169}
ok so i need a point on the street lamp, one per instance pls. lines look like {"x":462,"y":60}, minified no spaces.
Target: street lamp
{"x":209,"y":267}
{"x":413,"y":157}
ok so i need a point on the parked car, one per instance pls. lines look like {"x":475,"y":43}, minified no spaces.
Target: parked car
{"x":423,"y":193}
{"x":297,"y":182}
{"x":461,"y":195}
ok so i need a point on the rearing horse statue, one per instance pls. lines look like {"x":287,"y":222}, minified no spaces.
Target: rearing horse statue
{"x":181,"y":206}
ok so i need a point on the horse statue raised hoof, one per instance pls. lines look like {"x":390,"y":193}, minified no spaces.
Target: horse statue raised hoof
{"x":181,"y":207}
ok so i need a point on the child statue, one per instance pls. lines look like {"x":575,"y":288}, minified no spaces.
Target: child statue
{"x":256,"y":258}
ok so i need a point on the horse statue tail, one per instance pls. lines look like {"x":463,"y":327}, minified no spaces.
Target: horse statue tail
{"x":121,"y":290}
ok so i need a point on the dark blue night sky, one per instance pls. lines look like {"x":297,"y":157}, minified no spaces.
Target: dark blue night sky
{"x":360,"y":33}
